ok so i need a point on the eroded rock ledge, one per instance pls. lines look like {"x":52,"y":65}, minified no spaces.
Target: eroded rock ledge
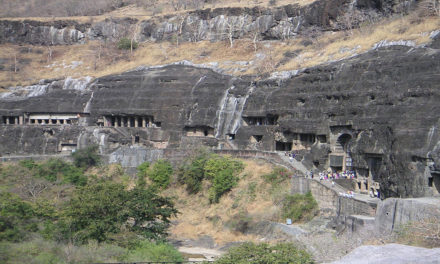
{"x":211,"y":24}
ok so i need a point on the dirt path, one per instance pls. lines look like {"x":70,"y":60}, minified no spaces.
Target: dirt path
{"x":200,"y":253}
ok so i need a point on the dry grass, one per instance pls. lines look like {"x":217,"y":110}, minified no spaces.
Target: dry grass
{"x":100,"y":60}
{"x":338,"y":45}
{"x":147,"y":9}
{"x":422,"y":233}
{"x":166,"y":6}
{"x":199,"y":218}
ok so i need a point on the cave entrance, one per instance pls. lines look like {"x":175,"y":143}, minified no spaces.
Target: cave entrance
{"x":256,"y":138}
{"x":342,"y":143}
{"x":283,"y":146}
{"x":374,"y":162}
{"x":434,"y":182}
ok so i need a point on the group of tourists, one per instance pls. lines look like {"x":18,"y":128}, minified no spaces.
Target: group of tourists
{"x":348,"y":194}
{"x":347,"y":174}
{"x":290,"y":154}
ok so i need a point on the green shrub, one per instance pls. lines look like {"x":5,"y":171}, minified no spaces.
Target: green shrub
{"x":39,"y":251}
{"x":28,"y":164}
{"x":240,"y":222}
{"x":50,"y":170}
{"x":222,"y":183}
{"x":219,"y":163}
{"x":192,"y":174}
{"x":35,"y":251}
{"x":160,"y":174}
{"x":153,"y":252}
{"x":58,"y":170}
{"x":143,"y":168}
{"x":277,"y":176}
{"x":265,"y":253}
{"x":126,"y":44}
{"x":16,"y":218}
{"x":299,"y":207}
{"x":98,"y":210}
{"x":142,"y":173}
{"x":86,"y":158}
{"x":223,"y":173}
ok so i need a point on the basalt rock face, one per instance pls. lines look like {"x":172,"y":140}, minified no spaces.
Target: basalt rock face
{"x":379,"y":109}
{"x":218,"y":24}
{"x":42,"y":33}
{"x":210,"y":24}
{"x":384,"y":103}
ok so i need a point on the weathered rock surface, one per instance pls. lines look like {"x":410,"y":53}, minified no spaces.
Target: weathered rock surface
{"x":383,"y":102}
{"x":217,"y":24}
{"x":42,"y":33}
{"x":391,"y":254}
{"x":392,"y":213}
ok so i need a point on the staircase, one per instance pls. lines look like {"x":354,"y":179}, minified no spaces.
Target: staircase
{"x":338,"y":149}
{"x":293,"y":163}
{"x":122,"y":132}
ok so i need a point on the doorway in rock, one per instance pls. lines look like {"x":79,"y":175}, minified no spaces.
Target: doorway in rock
{"x":342,"y":143}
{"x":283,"y":146}
{"x":336,"y":169}
{"x":434,"y":182}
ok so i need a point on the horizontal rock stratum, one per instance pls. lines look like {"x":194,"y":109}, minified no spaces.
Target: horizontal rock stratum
{"x":276,"y":23}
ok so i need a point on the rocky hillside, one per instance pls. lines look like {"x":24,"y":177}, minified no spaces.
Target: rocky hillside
{"x":372,"y":99}
{"x":237,"y":40}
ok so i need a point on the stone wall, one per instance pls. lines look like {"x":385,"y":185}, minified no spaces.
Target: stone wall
{"x":330,"y":202}
{"x":392,"y":213}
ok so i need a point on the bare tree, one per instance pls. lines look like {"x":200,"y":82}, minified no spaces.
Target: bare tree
{"x":49,"y":53}
{"x":96,"y":52}
{"x":256,"y":36}
{"x":193,"y":27}
{"x":133,"y":32}
{"x":179,"y":34}
{"x":230,"y":28}
{"x":15,"y":62}
{"x":33,"y":187}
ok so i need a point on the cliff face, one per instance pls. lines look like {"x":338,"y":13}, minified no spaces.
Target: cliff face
{"x":384,"y":101}
{"x":216,"y":24}
{"x":376,"y":113}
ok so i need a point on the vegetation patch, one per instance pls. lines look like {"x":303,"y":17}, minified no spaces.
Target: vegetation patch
{"x":127,"y":44}
{"x":277,"y":176}
{"x":16,"y":218}
{"x":265,"y":253}
{"x":299,"y":207}
{"x":147,"y":251}
{"x":221,"y":171}
{"x":159,"y":174}
{"x":86,"y":158}
{"x":423,"y":233}
{"x":61,"y":212}
{"x":100,"y":209}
